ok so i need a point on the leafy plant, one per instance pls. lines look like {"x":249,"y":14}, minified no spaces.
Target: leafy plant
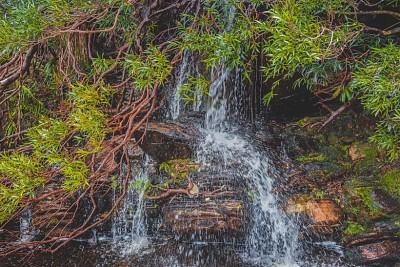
{"x":378,"y":81}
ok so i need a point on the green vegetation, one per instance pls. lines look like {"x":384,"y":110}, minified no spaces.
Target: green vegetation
{"x":365,"y":194}
{"x":391,"y":182}
{"x":378,"y":82}
{"x":354,"y":228}
{"x":311,"y":157}
{"x":179,"y":168}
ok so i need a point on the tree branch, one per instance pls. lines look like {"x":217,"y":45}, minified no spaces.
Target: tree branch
{"x":383,"y":32}
{"x":24,"y":67}
{"x":375,"y":12}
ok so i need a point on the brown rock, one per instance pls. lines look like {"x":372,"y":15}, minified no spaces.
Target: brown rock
{"x":379,"y":251}
{"x":213,"y":217}
{"x":324,"y":215}
{"x":355,"y":153}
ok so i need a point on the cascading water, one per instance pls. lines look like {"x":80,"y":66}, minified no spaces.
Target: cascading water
{"x":129,"y":225}
{"x":175,"y":105}
{"x":272,"y":237}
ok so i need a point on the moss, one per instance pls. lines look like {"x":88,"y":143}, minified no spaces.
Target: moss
{"x":354,"y":228}
{"x":370,"y":152}
{"x":365,"y":194}
{"x":391,"y":182}
{"x":319,"y":194}
{"x":311,"y":157}
{"x":308,"y":121}
{"x":179,"y":168}
{"x":336,"y":152}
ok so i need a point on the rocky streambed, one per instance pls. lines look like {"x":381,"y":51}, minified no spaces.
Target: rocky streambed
{"x":333,"y":185}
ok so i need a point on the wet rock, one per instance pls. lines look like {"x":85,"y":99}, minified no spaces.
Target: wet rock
{"x":386,"y":202}
{"x":323,"y":216}
{"x":52,"y":216}
{"x":166,"y":141}
{"x":383,"y":252}
{"x":102,"y":155}
{"x":216,"y":208}
{"x":323,"y":212}
{"x":379,"y":243}
{"x":210,"y":216}
{"x":378,"y":231}
{"x":134,"y":151}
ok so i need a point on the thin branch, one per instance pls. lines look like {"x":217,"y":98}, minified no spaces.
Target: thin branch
{"x":24,"y":67}
{"x":375,"y":12}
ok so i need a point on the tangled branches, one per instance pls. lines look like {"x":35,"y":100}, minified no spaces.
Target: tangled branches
{"x":94,"y":100}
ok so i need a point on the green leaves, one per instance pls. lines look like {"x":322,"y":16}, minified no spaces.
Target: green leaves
{"x":378,"y":81}
{"x":19,"y":177}
{"x":48,"y":135}
{"x":299,"y":35}
{"x":196,"y":88}
{"x":76,"y":175}
{"x":86,"y":115}
{"x":148,"y":69}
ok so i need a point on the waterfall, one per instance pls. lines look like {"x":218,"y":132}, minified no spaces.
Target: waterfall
{"x":25,"y":225}
{"x":129,"y":225}
{"x":272,"y":237}
{"x":175,"y":106}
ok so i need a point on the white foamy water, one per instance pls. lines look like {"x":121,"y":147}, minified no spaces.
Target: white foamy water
{"x":129,"y":229}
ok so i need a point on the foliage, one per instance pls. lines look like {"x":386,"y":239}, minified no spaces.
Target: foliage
{"x":391,"y":182}
{"x":179,"y":168}
{"x":311,"y":157}
{"x":149,"y":68}
{"x":354,"y":228}
{"x":379,"y":83}
{"x":365,"y":194}
{"x":301,"y":38}
{"x":196,"y":86}
{"x":16,"y":182}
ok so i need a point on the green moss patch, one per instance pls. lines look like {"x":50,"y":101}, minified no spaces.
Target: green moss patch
{"x":311,"y":157}
{"x":354,"y":228}
{"x":391,"y":182}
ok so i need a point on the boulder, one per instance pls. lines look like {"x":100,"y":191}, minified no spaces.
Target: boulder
{"x":166,"y":141}
{"x":322,"y":216}
{"x":382,"y":252}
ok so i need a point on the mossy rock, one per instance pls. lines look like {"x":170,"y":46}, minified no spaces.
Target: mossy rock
{"x":390,"y":181}
{"x":179,"y":168}
{"x":311,"y":157}
{"x":355,"y":228}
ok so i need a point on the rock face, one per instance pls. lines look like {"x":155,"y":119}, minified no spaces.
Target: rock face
{"x":372,"y":252}
{"x":379,"y":243}
{"x":52,"y":217}
{"x":213,"y":216}
{"x":166,"y":141}
{"x":339,"y":162}
{"x":217,"y":209}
